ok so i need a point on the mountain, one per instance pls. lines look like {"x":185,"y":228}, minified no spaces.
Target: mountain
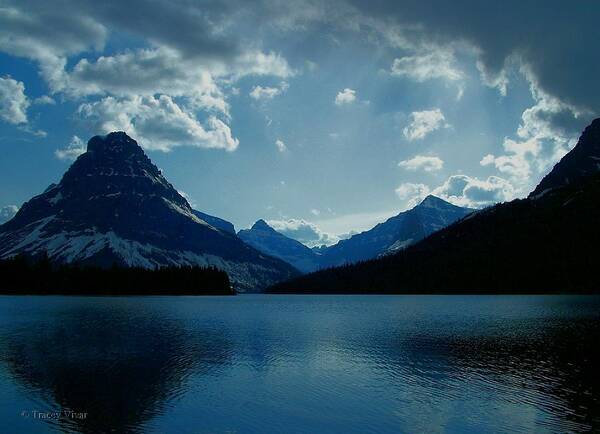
{"x":581,"y":162}
{"x":545,"y":243}
{"x":113,"y":206}
{"x":396,"y":233}
{"x":215,"y":222}
{"x":267,"y":240}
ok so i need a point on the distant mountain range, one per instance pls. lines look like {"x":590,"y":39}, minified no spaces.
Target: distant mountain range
{"x":545,"y":243}
{"x":395,"y":234}
{"x":113,"y":206}
{"x":264,"y":238}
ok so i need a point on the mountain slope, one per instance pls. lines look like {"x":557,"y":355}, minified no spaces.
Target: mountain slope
{"x":397,"y":233}
{"x":581,"y":162}
{"x":114,"y":206}
{"x":215,"y":222}
{"x":267,"y":240}
{"x":546,"y":243}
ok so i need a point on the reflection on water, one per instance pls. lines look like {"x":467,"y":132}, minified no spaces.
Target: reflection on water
{"x":115,"y":364}
{"x":300,"y":364}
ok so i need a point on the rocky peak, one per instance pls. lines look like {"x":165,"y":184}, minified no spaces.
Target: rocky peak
{"x":261,"y":225}
{"x":433,"y":202}
{"x":116,"y":144}
{"x":116,"y":164}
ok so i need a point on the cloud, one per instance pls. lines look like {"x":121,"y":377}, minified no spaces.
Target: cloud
{"x":13,"y":101}
{"x":146,"y":72}
{"x":481,"y":31}
{"x":518,"y":160}
{"x":158,"y":123}
{"x":430,"y":32}
{"x":74,"y":149}
{"x":461,"y":190}
{"x":262,"y":93}
{"x":281,"y":147}
{"x":256,"y":62}
{"x":346,"y":96}
{"x":427,"y":66}
{"x":494,"y":79}
{"x":7,"y":212}
{"x":467,"y":191}
{"x":44,"y":100}
{"x":301,"y":230}
{"x":548,"y":130}
{"x":190,"y":61}
{"x":412,"y":194}
{"x":422,"y":162}
{"x":424,"y":122}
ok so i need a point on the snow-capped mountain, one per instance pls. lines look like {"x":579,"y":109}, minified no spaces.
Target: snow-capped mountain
{"x":581,"y":162}
{"x":114,"y":206}
{"x":395,"y":234}
{"x":267,"y":240}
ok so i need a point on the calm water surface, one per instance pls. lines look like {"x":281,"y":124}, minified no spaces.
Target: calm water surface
{"x":300,"y":364}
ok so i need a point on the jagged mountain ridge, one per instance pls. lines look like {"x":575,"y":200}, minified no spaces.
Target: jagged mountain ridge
{"x":267,"y":240}
{"x":396,"y":233}
{"x":545,"y":243}
{"x":114,"y":206}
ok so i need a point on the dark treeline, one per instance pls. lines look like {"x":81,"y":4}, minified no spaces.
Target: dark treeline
{"x":545,"y":245}
{"x":22,"y":275}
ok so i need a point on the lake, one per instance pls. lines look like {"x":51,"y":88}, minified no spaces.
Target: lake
{"x":299,"y":364}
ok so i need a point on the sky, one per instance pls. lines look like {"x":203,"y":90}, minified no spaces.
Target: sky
{"x":321,"y":117}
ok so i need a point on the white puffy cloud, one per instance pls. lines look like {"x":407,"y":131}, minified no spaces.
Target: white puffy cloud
{"x":518,"y":159}
{"x":74,"y":149}
{"x":256,"y":62}
{"x":424,"y":122}
{"x":422,"y":162}
{"x":412,"y":193}
{"x":346,"y":96}
{"x":151,"y":79}
{"x":301,"y":230}
{"x":7,"y":212}
{"x":423,"y":67}
{"x":158,"y":123}
{"x":463,"y":190}
{"x":13,"y":101}
{"x":281,"y":147}
{"x":44,"y":100}
{"x":262,"y":93}
{"x":259,"y":92}
{"x":146,"y":72}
